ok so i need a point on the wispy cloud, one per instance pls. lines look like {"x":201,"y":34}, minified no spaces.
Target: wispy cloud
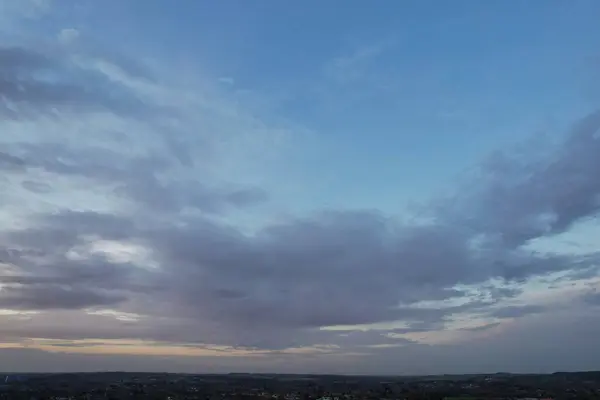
{"x":355,"y":66}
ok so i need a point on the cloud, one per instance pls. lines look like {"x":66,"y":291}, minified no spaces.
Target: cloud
{"x":481,"y":328}
{"x":592,"y":298}
{"x":524,"y":198}
{"x":536,"y":337}
{"x":226,"y":80}
{"x":353,"y":67}
{"x":517,"y":311}
{"x":34,"y":81}
{"x":14,"y":12}
{"x":68,"y":35}
{"x":10,"y":161}
{"x":47,"y":296}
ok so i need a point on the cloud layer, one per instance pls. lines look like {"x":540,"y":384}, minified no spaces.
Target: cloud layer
{"x":124,"y":201}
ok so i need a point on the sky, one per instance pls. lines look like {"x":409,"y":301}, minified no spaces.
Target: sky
{"x":299,"y":187}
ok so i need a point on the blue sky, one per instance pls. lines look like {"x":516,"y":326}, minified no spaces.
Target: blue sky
{"x":414,"y":91}
{"x":304,"y":184}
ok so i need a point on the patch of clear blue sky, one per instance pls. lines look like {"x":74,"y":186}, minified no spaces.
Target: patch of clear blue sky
{"x":445,"y":82}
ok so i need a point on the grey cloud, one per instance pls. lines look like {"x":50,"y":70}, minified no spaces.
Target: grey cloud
{"x":73,"y":344}
{"x":336,"y":269}
{"x":56,"y":326}
{"x":55,"y":234}
{"x":482,"y":327}
{"x":224,"y":276}
{"x":48,"y":278}
{"x":148,"y":179}
{"x":278,"y":285}
{"x":58,"y":286}
{"x":8,"y":161}
{"x":522,"y":198}
{"x":17,"y":59}
{"x":497,"y":293}
{"x":275,"y":288}
{"x":243,"y":197}
{"x":523,"y":265}
{"x":52,"y":297}
{"x":176,"y":196}
{"x":136,"y":178}
{"x":529,"y":346}
{"x":36,"y":186}
{"x":421,"y":326}
{"x":306,"y":274}
{"x":584,"y":272}
{"x":360,"y":340}
{"x":259,"y":281}
{"x":592,"y":298}
{"x":517,"y":311}
{"x":97,"y":163}
{"x":27,"y":93}
{"x":40,"y":361}
{"x":149,"y":191}
{"x":61,"y":327}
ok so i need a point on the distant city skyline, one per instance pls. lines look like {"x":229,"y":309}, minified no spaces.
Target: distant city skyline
{"x":299,"y":187}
